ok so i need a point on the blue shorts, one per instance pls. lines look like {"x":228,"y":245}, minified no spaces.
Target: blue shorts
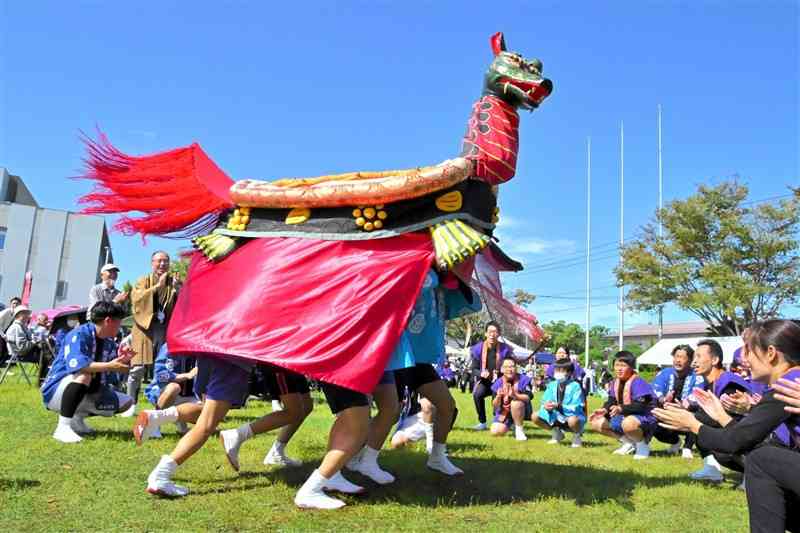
{"x":222,"y":381}
{"x":647,"y":423}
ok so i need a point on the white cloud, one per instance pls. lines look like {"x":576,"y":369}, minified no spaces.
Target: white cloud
{"x":534,"y":246}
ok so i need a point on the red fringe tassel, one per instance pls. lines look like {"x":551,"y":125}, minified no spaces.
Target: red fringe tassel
{"x":181,"y":193}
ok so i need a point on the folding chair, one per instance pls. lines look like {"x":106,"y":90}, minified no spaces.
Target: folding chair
{"x":14,"y":360}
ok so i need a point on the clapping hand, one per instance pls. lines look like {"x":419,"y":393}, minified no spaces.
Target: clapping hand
{"x":789,"y":393}
{"x":549,"y":406}
{"x":597,"y":414}
{"x":739,"y":402}
{"x":674,"y":416}
{"x":125,"y":353}
{"x":714,"y":407}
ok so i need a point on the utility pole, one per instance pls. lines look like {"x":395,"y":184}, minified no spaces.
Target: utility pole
{"x":660,"y":225}
{"x":621,"y":230}
{"x":588,"y":246}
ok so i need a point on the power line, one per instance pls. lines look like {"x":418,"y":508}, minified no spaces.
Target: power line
{"x":577,"y":258}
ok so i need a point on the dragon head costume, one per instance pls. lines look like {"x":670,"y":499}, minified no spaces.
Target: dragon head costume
{"x":182,"y":193}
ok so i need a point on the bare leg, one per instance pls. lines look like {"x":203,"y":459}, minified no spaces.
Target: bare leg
{"x":211,"y":415}
{"x":189,"y":412}
{"x":388,"y":412}
{"x":293,"y":413}
{"x":287,"y":432}
{"x":438,"y":394}
{"x":518,"y":412}
{"x":347,"y":435}
{"x":168,"y":395}
{"x":632,"y":429}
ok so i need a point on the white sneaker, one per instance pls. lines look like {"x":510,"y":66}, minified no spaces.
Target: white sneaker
{"x":159,"y":482}
{"x":711,"y":471}
{"x":372,"y":470}
{"x":439,"y":461}
{"x":479,"y":426}
{"x":275,"y":458}
{"x":627,"y":448}
{"x":276,"y":406}
{"x":558,"y":436}
{"x":338,"y":483}
{"x":311,"y":495}
{"x":64,"y":432}
{"x":145,"y":426}
{"x":577,"y":440}
{"x":129,"y":412}
{"x":80,"y":426}
{"x":231,"y":441}
{"x":687,"y":453}
{"x":156,"y":434}
{"x":675,"y":449}
{"x":519,"y":433}
{"x":642,"y":451}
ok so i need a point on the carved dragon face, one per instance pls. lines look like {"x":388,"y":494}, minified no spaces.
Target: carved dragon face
{"x":515,"y":79}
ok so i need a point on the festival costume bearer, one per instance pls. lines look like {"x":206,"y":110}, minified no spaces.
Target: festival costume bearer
{"x":339,"y":259}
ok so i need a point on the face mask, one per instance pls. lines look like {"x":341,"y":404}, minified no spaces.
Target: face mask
{"x":560,"y":376}
{"x":73,"y":322}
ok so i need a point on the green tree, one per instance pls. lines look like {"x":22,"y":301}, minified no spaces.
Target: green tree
{"x":726,"y":261}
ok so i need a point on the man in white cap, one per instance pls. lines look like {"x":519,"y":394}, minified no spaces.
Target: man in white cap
{"x":105,"y":291}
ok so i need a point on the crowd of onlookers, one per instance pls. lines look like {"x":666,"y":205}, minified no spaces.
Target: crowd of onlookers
{"x":743,"y":416}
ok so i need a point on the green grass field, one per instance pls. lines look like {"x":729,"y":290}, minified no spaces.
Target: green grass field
{"x":99,"y":484}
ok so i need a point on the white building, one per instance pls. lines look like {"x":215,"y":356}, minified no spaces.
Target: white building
{"x":646,"y":335}
{"x":64,"y":251}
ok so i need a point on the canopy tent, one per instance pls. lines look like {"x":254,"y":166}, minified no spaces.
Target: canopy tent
{"x":520,"y":353}
{"x":661,"y":352}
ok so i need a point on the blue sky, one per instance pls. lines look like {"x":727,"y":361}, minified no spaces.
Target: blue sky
{"x":273,"y":90}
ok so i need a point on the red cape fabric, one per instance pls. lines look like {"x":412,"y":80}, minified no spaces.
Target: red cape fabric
{"x":331,"y":310}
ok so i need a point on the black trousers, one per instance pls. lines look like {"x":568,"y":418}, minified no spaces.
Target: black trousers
{"x":669,"y":436}
{"x":732,"y":462}
{"x":483,"y":388}
{"x":773,"y":489}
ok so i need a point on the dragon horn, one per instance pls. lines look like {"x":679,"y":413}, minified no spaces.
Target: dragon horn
{"x":498,"y":43}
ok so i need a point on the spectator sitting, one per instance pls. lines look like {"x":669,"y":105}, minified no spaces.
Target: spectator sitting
{"x":562,"y":405}
{"x":675,"y":384}
{"x":72,"y":322}
{"x":41,"y":331}
{"x":19,"y":340}
{"x":73,"y":387}
{"x":577,"y":374}
{"x":7,"y":314}
{"x":627,"y":414}
{"x":708,"y":364}
{"x":6,"y":318}
{"x":512,"y":400}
